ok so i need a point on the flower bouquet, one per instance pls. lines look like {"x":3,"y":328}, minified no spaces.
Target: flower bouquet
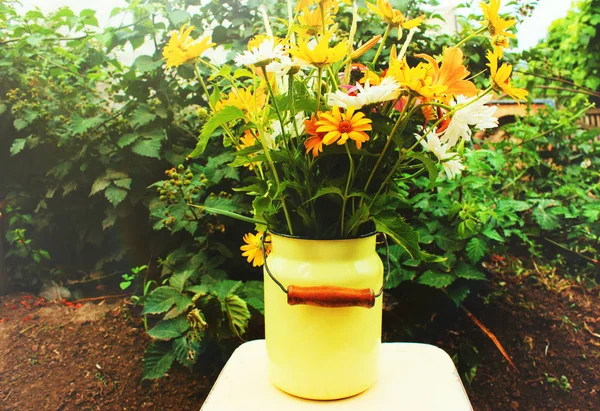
{"x":325,"y":135}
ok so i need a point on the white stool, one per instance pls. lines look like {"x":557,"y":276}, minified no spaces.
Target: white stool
{"x":413,"y":377}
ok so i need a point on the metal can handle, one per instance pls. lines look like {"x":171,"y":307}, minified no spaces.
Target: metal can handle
{"x":330,"y":296}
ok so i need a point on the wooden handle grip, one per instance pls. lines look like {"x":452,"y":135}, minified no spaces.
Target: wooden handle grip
{"x":331,"y":296}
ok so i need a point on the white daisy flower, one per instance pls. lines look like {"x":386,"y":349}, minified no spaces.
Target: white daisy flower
{"x":288,"y":128}
{"x":453,"y":167}
{"x":433,"y":144}
{"x":389,"y":89}
{"x":216,"y":55}
{"x":451,"y":162}
{"x":263,"y":54}
{"x":476,"y":114}
{"x":284,"y":65}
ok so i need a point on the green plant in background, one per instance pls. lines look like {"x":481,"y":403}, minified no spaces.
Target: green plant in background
{"x":212,"y":309}
{"x":566,"y":65}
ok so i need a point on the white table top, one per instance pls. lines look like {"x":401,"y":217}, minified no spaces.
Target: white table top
{"x":414,"y":377}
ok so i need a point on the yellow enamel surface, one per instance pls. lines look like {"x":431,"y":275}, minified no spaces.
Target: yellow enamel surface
{"x":316,"y":352}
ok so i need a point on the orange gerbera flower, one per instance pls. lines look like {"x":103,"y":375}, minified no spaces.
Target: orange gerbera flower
{"x":339,"y":127}
{"x":393,"y":17}
{"x":451,"y":74}
{"x":496,"y":25}
{"x":252,"y":250}
{"x":315,"y":142}
{"x":501,"y":77}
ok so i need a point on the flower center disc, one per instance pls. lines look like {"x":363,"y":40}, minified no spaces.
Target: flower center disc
{"x":345,"y":126}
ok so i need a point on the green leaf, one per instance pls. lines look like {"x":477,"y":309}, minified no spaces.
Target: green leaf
{"x":163,"y":298}
{"x":123,"y":183}
{"x":141,"y":116}
{"x":115,"y":194}
{"x":476,"y":249}
{"x":19,"y":124}
{"x":179,"y":279}
{"x":158,"y":359}
{"x":403,"y":234}
{"x":545,"y":220}
{"x":399,"y":275}
{"x":237,"y":313}
{"x":146,"y":64}
{"x":493,"y":234}
{"x":17,"y":146}
{"x":324,"y":191}
{"x":99,"y":184}
{"x":147,"y":148}
{"x":458,"y":293}
{"x":447,"y":240}
{"x":357,"y":218}
{"x":185,"y":352}
{"x":224,"y":116}
{"x":468,"y":272}
{"x":168,"y":329}
{"x":80,"y":125}
{"x":436,"y":279}
{"x":127,"y":139}
{"x":430,"y":166}
{"x":253,"y":293}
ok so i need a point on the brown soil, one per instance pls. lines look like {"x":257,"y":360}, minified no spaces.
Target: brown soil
{"x":61,"y":358}
{"x":54,"y":357}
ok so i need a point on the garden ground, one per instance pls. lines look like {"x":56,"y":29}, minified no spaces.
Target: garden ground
{"x":58,"y":357}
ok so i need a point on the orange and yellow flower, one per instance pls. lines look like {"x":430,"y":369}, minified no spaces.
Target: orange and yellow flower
{"x":393,"y":17}
{"x":181,"y":48}
{"x":321,"y":54}
{"x":450,"y":76}
{"x":418,"y":79}
{"x":339,"y":127}
{"x":252,"y":250}
{"x":500,"y":77}
{"x":314,"y":142}
{"x":249,"y":102}
{"x":496,"y":25}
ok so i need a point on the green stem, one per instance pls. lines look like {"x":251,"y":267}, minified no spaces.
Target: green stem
{"x":469,"y":37}
{"x":227,"y":213}
{"x":385,"y":36}
{"x":345,"y":199}
{"x":292,"y":105}
{"x":388,"y":142}
{"x":264,"y":70}
{"x":276,"y":176}
{"x":319,"y":75}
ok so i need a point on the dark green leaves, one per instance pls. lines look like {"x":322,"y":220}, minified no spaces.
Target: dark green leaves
{"x":403,"y":234}
{"x":222,"y":117}
{"x":157,"y":360}
{"x":163,"y":298}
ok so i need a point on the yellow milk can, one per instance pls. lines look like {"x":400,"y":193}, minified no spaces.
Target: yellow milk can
{"x":323,"y":315}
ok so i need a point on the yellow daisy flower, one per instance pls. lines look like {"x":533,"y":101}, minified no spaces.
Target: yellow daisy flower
{"x":496,"y":25}
{"x":393,"y":17}
{"x":244,"y":99}
{"x":501,"y":77}
{"x":321,"y":54}
{"x":252,"y":250}
{"x":339,"y":126}
{"x":181,"y":48}
{"x":311,"y":22}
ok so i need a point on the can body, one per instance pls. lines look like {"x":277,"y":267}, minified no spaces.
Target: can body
{"x":317,"y":352}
